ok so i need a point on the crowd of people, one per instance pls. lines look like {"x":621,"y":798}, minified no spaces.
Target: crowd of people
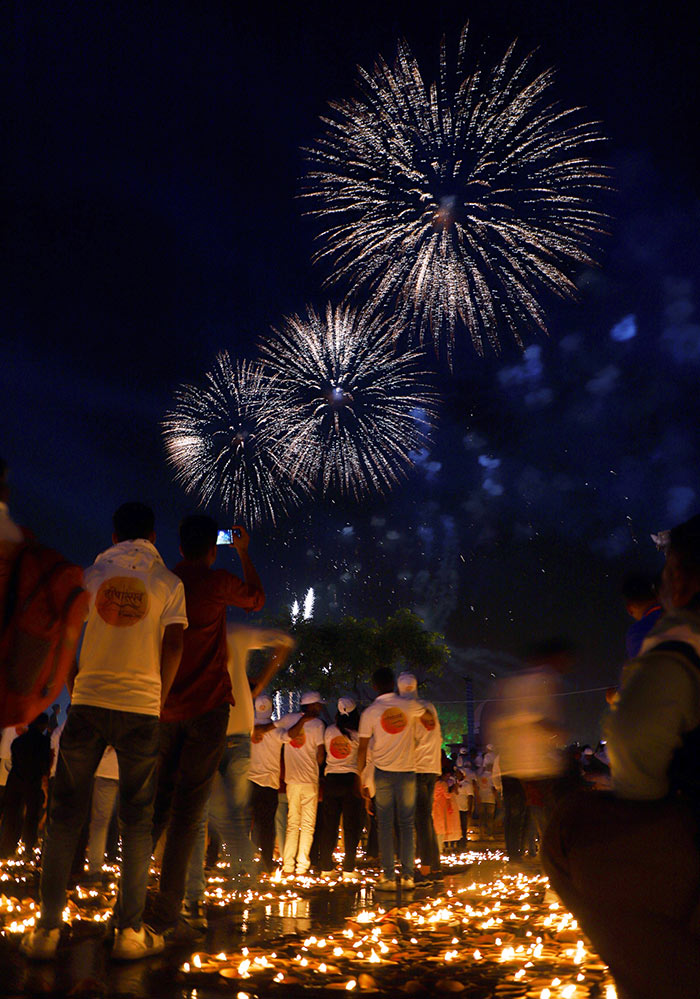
{"x":168,"y":730}
{"x":169,"y":742}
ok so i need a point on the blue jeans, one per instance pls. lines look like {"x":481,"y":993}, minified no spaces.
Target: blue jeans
{"x":396,"y":791}
{"x":88,"y":732}
{"x":228,"y":810}
{"x":190,"y":752}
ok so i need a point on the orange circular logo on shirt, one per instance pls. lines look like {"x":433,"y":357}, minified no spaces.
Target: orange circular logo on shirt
{"x":428,"y":721}
{"x":341,"y":747}
{"x":298,"y":740}
{"x":122,"y":601}
{"x":394,"y":721}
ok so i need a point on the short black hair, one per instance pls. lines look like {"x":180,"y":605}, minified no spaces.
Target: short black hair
{"x":638,"y":588}
{"x":684,"y":542}
{"x":40,"y":722}
{"x":197,"y":534}
{"x":133,"y":520}
{"x":383,"y":679}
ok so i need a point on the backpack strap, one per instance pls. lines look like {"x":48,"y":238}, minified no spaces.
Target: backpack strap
{"x":684,"y":649}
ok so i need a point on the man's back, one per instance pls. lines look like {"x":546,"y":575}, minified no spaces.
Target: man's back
{"x":390,"y":720}
{"x":202,"y":681}
{"x":300,"y":753}
{"x":133,"y":598}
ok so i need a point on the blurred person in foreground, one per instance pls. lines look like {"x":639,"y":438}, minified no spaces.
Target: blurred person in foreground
{"x":527,"y":730}
{"x":627,"y":864}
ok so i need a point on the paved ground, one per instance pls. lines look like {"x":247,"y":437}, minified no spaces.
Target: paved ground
{"x":491,"y":930}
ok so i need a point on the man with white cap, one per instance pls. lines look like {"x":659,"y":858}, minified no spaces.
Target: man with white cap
{"x":390,"y":722}
{"x":341,"y":789}
{"x":303,"y":754}
{"x":264,"y":776}
{"x":428,"y":768}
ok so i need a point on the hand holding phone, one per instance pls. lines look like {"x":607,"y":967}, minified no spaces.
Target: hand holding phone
{"x":227,"y":537}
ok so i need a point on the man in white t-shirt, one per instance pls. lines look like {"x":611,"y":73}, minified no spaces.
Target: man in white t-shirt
{"x":130,"y":654}
{"x":428,"y":769}
{"x":390,"y":723}
{"x":303,"y":754}
{"x":264,"y":776}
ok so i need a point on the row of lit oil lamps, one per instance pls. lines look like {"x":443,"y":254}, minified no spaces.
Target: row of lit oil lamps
{"x":483,"y":914}
{"x":480,"y":918}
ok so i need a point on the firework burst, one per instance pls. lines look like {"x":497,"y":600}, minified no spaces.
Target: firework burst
{"x":354,"y":408}
{"x":458,"y":201}
{"x":220,"y":439}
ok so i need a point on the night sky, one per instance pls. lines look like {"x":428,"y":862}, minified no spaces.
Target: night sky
{"x":153,"y":220}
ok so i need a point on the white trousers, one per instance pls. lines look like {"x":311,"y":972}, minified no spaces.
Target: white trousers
{"x":301,"y":821}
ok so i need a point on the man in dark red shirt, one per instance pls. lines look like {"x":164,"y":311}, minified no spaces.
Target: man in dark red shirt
{"x":195,"y":715}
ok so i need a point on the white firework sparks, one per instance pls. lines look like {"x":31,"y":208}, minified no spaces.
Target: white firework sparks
{"x":220,"y":439}
{"x":354,"y":408}
{"x":456,"y":201}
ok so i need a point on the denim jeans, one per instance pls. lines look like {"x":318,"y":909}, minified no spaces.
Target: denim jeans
{"x":396,"y":791}
{"x":190,"y":752}
{"x":426,"y":840}
{"x":228,"y":811}
{"x":104,"y":801}
{"x":88,"y":732}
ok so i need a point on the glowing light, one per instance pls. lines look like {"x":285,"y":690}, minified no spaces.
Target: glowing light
{"x":456,"y":201}
{"x":363,"y":443}
{"x":221,"y":439}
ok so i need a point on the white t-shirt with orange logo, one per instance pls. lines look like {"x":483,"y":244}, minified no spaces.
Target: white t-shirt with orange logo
{"x":300,"y":763}
{"x":133,"y":598}
{"x":341,"y":751}
{"x":390,"y":722}
{"x":265,"y":757}
{"x":428,"y":742}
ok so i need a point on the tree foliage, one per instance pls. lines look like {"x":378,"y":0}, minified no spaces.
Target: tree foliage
{"x":338,"y":656}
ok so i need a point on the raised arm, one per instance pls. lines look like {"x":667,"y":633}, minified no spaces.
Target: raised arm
{"x":250,"y":573}
{"x":282,"y":646}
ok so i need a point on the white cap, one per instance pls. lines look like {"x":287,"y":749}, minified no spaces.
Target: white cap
{"x":346,"y":705}
{"x":263,"y":709}
{"x":407,"y":684}
{"x":312,"y":697}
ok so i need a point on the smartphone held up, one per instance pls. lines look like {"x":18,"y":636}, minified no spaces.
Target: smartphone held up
{"x":226,"y":537}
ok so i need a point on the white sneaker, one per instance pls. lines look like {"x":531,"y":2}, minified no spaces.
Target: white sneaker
{"x":349,"y":876}
{"x":385,"y":885}
{"x":131,"y":945}
{"x":408,"y":884}
{"x":40,"y":944}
